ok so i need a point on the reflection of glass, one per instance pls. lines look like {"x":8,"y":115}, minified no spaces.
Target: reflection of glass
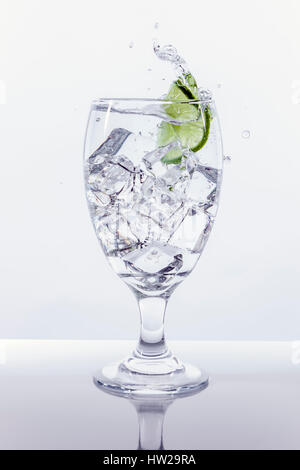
{"x":151,"y":412}
{"x":152,"y":207}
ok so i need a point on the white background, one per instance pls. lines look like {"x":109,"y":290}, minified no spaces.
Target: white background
{"x":55,"y":56}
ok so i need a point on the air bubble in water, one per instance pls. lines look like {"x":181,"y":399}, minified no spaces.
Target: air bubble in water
{"x":246,"y":134}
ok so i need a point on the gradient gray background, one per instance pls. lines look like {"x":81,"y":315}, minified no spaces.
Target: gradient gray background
{"x":55,"y":58}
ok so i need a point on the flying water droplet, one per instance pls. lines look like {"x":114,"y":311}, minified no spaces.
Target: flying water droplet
{"x":246,"y":134}
{"x":131,"y":44}
{"x":227,"y":158}
{"x":156,"y":25}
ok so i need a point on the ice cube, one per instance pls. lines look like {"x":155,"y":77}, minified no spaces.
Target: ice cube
{"x":97,"y":159}
{"x":192,"y":228}
{"x":155,"y":258}
{"x":202,"y":184}
{"x":192,"y":164}
{"x":112,"y":176}
{"x":95,"y":175}
{"x":160,"y":218}
{"x":151,"y":159}
{"x":191,"y":161}
{"x":98,"y":198}
{"x":114,"y":232}
{"x":136,"y":146}
{"x":172,"y":175}
{"x":211,"y":173}
{"x":139,"y":225}
{"x":176,"y":180}
{"x":174,"y":266}
{"x":165,"y":198}
{"x":148,"y":186}
{"x":112,"y":144}
{"x":125,"y":163}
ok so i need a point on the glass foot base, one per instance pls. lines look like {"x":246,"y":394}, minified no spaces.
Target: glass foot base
{"x":138,"y":376}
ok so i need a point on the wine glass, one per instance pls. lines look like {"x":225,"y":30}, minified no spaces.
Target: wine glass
{"x":153,"y":171}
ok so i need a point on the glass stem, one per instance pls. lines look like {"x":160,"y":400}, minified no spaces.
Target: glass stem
{"x":152,"y":339}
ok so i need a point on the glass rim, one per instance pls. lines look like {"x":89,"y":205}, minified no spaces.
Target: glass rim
{"x":98,"y":101}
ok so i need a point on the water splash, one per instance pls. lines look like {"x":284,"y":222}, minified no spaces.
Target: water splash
{"x":168,"y":53}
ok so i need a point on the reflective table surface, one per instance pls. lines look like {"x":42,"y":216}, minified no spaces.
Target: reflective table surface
{"x":49,"y":400}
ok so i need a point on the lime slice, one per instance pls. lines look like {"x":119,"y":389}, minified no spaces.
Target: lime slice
{"x":207,"y":120}
{"x":174,"y":156}
{"x":166,"y":133}
{"x":191,"y":84}
{"x":193,"y":134}
{"x":181,"y":111}
{"x":190,"y":134}
{"x":188,"y":86}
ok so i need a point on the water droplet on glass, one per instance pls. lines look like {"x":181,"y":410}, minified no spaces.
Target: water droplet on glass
{"x":131,"y":44}
{"x":246,"y":134}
